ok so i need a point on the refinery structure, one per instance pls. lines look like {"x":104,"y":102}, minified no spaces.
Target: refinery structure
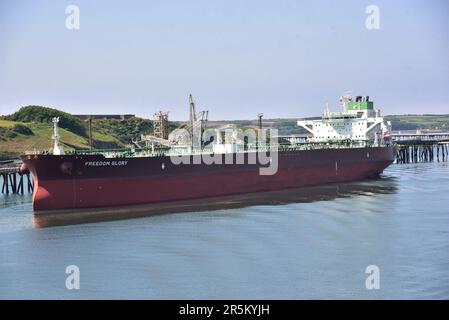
{"x":183,"y":135}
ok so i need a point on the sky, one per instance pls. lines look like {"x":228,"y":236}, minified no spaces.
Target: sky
{"x":283,"y":58}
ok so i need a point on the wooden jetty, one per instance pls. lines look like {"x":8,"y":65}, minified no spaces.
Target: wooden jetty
{"x":13,"y":181}
{"x":413,"y":147}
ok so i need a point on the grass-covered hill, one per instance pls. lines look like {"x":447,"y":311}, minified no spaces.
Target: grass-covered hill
{"x":31,"y":128}
{"x":38,"y":114}
{"x":14,"y":142}
{"x":425,"y":121}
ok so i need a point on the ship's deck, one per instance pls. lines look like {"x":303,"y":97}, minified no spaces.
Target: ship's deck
{"x":187,"y":150}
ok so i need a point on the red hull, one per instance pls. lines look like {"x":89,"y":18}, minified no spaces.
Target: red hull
{"x":153,"y":180}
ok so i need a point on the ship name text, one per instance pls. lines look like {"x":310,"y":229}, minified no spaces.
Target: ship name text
{"x":114,"y":163}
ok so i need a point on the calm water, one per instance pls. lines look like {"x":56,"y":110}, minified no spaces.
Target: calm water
{"x":316,"y":244}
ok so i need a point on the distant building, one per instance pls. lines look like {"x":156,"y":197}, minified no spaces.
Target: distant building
{"x":105,"y":116}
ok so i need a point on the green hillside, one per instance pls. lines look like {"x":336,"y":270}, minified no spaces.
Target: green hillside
{"x":413,"y":122}
{"x":31,"y":128}
{"x":38,"y":114}
{"x":13,"y":143}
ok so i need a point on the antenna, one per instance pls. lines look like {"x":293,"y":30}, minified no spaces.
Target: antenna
{"x":192,"y":118}
{"x":326,"y":110}
{"x":89,"y":123}
{"x":347,"y":97}
{"x":260,"y":115}
{"x":192,"y":109}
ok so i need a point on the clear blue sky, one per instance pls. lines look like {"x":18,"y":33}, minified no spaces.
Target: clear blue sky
{"x":238,"y":58}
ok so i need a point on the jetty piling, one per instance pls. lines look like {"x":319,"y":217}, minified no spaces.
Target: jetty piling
{"x":421,"y":147}
{"x":422,"y":153}
{"x":13,"y":180}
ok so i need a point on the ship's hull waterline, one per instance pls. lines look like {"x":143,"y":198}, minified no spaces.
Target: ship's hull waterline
{"x":93,"y":181}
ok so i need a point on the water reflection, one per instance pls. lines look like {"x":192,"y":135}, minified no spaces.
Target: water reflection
{"x":383,"y":185}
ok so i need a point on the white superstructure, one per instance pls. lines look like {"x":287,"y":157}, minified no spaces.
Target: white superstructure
{"x":359,"y":120}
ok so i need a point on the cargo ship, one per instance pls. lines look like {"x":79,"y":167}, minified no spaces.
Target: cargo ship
{"x":352,"y":144}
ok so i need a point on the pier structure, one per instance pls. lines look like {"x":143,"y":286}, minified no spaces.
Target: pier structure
{"x":412,"y":146}
{"x":13,"y":180}
{"x":417,"y":146}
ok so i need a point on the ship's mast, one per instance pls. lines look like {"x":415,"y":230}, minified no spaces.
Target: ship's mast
{"x":197,"y":124}
{"x":192,"y":118}
{"x":327,"y":110}
{"x":57,"y":150}
{"x":345,"y":99}
{"x":259,"y":116}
